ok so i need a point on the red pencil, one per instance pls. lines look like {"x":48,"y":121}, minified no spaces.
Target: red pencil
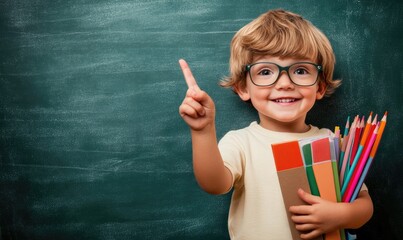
{"x":357,"y":138}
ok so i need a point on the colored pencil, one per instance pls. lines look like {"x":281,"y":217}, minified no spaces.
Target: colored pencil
{"x":337,"y":144}
{"x":357,"y":155}
{"x":371,"y":157}
{"x":366,"y":130}
{"x":349,"y":192}
{"x":380,"y":132}
{"x":348,"y":164}
{"x":348,"y":150}
{"x":360,"y":159}
{"x":344,"y":142}
{"x":346,"y":129}
{"x":357,"y":137}
{"x":373,"y":125}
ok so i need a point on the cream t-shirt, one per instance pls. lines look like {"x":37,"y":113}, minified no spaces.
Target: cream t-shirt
{"x":257,"y":209}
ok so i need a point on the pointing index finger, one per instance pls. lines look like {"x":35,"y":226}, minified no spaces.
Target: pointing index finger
{"x":187,"y":73}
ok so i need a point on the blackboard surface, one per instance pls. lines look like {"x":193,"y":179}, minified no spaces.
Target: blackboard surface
{"x":91,"y":143}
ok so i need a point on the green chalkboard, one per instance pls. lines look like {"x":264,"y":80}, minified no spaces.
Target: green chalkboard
{"x":91,"y":142}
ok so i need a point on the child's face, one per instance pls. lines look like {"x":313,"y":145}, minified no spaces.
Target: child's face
{"x":282,"y":106}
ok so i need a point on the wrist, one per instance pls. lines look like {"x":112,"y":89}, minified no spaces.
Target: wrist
{"x":208,"y":129}
{"x":344,"y":215}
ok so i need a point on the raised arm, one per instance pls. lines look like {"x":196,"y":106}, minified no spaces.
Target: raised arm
{"x":198,"y":111}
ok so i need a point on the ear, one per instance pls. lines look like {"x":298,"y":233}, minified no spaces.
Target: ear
{"x":322,"y":87}
{"x":242,"y":93}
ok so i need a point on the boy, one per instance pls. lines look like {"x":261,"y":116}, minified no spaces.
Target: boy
{"x":282,"y":64}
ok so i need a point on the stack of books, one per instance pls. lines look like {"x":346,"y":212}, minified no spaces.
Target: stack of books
{"x":333,"y":167}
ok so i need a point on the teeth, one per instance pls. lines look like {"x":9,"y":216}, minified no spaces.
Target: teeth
{"x":285,"y":100}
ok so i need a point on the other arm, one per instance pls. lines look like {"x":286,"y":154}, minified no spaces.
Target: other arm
{"x":323,"y":216}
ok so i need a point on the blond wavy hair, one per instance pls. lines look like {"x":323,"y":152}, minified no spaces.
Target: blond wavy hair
{"x":283,"y":34}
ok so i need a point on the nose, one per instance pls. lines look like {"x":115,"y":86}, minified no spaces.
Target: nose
{"x":284,"y":81}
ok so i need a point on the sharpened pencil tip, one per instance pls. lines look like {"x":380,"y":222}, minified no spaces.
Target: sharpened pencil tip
{"x":384,"y":116}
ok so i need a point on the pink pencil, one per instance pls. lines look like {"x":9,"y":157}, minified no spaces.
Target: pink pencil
{"x":346,"y":157}
{"x":356,"y":177}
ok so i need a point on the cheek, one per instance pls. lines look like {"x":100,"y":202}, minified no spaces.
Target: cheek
{"x":310,"y":96}
{"x":260,"y":94}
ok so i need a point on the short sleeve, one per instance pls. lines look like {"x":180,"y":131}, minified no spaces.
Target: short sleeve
{"x":232,"y":153}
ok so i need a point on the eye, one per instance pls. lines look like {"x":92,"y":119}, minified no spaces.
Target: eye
{"x":301,"y":71}
{"x":265,"y":72}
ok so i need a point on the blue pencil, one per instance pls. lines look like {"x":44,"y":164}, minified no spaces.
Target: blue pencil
{"x":344,"y":143}
{"x":362,"y":178}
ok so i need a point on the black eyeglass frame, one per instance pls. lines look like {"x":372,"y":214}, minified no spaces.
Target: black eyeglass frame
{"x":281,"y":68}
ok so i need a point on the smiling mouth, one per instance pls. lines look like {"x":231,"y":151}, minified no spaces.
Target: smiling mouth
{"x":285,"y":100}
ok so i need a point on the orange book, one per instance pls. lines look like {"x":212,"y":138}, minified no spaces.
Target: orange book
{"x":323,"y":170}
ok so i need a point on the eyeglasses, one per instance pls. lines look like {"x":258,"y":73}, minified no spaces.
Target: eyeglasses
{"x":267,"y":73}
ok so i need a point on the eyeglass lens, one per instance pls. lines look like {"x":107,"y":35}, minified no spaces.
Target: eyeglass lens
{"x":264,"y":74}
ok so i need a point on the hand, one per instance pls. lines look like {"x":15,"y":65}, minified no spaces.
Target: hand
{"x":319,"y":217}
{"x":197,"y":109}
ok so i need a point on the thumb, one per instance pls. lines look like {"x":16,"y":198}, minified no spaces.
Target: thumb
{"x":307,"y":197}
